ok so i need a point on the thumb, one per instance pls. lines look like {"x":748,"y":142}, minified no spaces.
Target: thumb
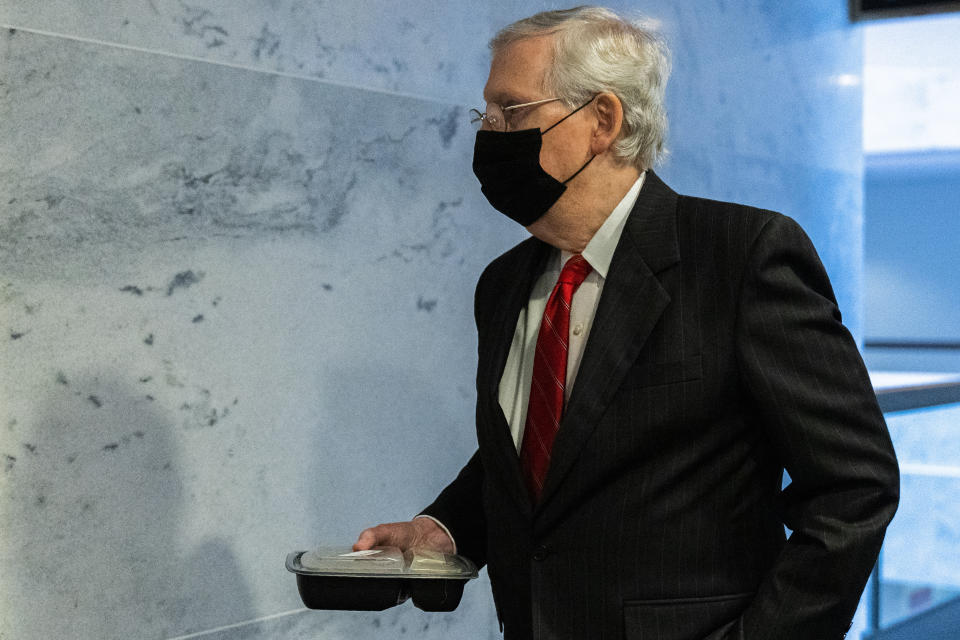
{"x":367,"y":540}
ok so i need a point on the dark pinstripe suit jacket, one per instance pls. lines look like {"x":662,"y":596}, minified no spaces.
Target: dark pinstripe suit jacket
{"x":717,"y":359}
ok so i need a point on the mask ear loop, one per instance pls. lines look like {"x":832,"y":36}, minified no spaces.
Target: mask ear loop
{"x":579,"y":170}
{"x":584,"y":166}
{"x":569,"y":114}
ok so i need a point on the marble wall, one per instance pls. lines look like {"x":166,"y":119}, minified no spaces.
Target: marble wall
{"x":238,"y":243}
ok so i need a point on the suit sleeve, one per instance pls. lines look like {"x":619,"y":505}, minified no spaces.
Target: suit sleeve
{"x":816,"y":407}
{"x":459,"y":507}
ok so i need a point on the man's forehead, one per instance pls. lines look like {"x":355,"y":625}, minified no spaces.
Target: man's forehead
{"x":517,"y":71}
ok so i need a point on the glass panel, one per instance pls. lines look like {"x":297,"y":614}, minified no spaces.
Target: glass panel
{"x":911,"y":84}
{"x":920,"y":566}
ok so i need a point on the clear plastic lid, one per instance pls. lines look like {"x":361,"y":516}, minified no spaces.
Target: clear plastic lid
{"x":380,"y":562}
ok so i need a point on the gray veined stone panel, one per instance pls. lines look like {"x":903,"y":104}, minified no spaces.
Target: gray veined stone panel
{"x":433,"y":49}
{"x":235,"y":321}
{"x":400,"y":622}
{"x":113,"y":148}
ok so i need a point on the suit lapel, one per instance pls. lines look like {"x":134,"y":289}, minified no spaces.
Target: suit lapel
{"x":517,"y":281}
{"x":630,"y":306}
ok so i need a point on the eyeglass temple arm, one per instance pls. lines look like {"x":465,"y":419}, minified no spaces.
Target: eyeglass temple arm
{"x":527,"y":104}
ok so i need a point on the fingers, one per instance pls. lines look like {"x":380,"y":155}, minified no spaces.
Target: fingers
{"x":366,"y":540}
{"x":420,"y":532}
{"x":392,"y":534}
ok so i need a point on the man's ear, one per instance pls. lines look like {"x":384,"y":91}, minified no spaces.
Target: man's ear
{"x":609,"y":113}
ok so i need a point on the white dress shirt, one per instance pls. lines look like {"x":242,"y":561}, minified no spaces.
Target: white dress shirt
{"x":514,"y":391}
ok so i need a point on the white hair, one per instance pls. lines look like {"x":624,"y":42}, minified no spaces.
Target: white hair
{"x":597,"y":51}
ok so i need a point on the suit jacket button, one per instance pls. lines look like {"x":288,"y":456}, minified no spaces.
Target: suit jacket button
{"x":541,"y":553}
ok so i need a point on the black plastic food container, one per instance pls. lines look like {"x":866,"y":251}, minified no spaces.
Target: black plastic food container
{"x":338,"y":578}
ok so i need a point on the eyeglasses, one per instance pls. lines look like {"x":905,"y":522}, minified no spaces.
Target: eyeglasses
{"x":495,"y":118}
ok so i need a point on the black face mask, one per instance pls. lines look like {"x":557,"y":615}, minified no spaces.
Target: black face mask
{"x":508,"y":167}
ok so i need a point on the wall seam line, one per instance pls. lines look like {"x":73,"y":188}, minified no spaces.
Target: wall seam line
{"x":237,"y":625}
{"x":230,"y":65}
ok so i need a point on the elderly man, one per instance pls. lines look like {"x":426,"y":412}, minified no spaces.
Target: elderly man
{"x":649,"y":364}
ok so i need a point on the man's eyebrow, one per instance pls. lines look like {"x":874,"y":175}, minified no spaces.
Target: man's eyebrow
{"x":493,"y":96}
{"x":505,"y":99}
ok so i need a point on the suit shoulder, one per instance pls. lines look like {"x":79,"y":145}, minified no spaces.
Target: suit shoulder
{"x":736,"y":224}
{"x":504,"y":266}
{"x":718,"y":213}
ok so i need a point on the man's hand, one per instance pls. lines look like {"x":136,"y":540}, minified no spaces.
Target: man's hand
{"x":422,"y":533}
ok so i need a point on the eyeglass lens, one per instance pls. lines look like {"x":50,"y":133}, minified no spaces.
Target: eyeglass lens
{"x":492,"y":119}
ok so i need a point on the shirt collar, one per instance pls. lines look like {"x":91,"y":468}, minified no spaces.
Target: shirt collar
{"x":599,"y":251}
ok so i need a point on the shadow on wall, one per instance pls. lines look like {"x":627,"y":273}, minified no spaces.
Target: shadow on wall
{"x":389,"y":444}
{"x":93,"y":514}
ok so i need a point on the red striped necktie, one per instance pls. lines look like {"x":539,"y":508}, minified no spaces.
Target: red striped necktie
{"x":549,"y":377}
